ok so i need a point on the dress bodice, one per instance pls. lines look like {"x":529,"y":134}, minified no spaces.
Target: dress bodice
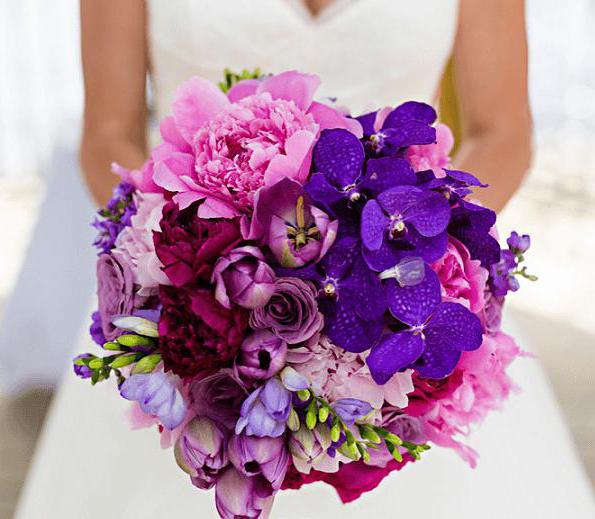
{"x":369,"y":53}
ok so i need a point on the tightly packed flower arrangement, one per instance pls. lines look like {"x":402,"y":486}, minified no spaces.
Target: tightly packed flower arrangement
{"x":290,"y":294}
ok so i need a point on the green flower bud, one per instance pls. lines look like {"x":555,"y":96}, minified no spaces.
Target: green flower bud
{"x":323,"y":413}
{"x":112,"y":346}
{"x":131,"y":340}
{"x":335,"y":432}
{"x":147,"y":364}
{"x":124,"y":360}
{"x":368,"y":433}
{"x":303,"y":395}
{"x":293,"y":422}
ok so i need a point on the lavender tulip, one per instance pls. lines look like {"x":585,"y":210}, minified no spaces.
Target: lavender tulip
{"x":309,"y":449}
{"x":218,"y":397}
{"x":240,"y":496}
{"x":157,"y":395}
{"x":286,"y":221}
{"x":243,"y":277}
{"x":200,"y":451}
{"x":262,"y":355}
{"x":265,"y":411}
{"x":260,"y":457}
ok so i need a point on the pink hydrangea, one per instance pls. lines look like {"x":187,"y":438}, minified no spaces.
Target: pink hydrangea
{"x":462,"y":279}
{"x":336,"y":373}
{"x":433,"y":156}
{"x":448,"y":408}
{"x":221,"y":149}
{"x":135,"y":243}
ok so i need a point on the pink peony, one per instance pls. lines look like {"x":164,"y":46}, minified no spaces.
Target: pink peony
{"x":135,"y":243}
{"x":222,"y":152}
{"x":433,"y":156}
{"x":449,"y":407}
{"x":336,"y":373}
{"x":462,"y":279}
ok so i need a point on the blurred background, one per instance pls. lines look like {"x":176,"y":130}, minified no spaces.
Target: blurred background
{"x":40,"y":111}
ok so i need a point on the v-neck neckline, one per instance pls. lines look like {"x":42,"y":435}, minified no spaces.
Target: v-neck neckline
{"x":299,"y":8}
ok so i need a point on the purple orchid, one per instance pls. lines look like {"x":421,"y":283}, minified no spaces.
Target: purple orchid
{"x":471,"y":224}
{"x":436,"y":333}
{"x":340,"y":175}
{"x":296,"y":231}
{"x":408,"y":124}
{"x":454,"y":185}
{"x":157,"y":395}
{"x":352,"y":297}
{"x":265,"y":411}
{"x":404,"y":221}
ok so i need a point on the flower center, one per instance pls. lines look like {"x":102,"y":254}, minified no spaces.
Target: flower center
{"x":329,"y":287}
{"x":301,"y":234}
{"x":397,"y":226}
{"x":264,"y":359}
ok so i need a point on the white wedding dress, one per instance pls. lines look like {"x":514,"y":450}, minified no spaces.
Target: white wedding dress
{"x":370,"y":53}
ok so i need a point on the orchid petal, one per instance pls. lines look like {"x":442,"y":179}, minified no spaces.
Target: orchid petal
{"x":339,"y":155}
{"x":394,"y":353}
{"x":412,"y":305}
{"x":374,"y":225}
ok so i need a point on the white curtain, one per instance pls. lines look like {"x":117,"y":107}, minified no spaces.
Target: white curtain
{"x":40,"y":81}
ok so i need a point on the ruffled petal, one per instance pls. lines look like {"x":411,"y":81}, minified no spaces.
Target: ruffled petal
{"x":292,"y":86}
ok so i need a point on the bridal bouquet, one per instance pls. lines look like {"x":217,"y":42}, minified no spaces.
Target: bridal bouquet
{"x":289,"y":294}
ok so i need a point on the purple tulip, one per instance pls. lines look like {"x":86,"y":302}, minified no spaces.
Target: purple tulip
{"x":309,"y":448}
{"x":285,"y":219}
{"x":157,"y":395}
{"x":218,"y":397}
{"x":200,"y":451}
{"x":265,"y":411}
{"x":238,"y":496}
{"x":243,"y":277}
{"x":351,"y":409}
{"x":80,"y":370}
{"x":255,"y":457}
{"x":262,"y":355}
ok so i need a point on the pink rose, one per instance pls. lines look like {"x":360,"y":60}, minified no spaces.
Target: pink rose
{"x":135,"y":243}
{"x":462,"y":279}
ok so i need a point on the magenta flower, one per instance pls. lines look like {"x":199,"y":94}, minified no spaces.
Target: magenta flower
{"x":262,"y":355}
{"x":223,"y":152}
{"x":286,"y":221}
{"x":200,"y":451}
{"x":243,"y":277}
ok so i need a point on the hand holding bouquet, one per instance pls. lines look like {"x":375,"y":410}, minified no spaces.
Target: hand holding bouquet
{"x":291,"y":295}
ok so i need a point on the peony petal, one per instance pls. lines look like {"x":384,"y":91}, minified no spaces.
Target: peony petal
{"x":328,"y":118}
{"x":295,"y":164}
{"x":196,"y":101}
{"x":244,"y":88}
{"x":292,"y":86}
{"x":394,"y":353}
{"x":171,"y":134}
{"x":169,"y":170}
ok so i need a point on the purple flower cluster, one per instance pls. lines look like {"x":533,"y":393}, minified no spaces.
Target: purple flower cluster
{"x":114,"y":217}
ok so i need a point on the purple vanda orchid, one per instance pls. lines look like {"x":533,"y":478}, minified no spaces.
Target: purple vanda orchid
{"x":435,"y":336}
{"x":243,"y":277}
{"x":404,"y":221}
{"x":285,"y":220}
{"x":341,"y":173}
{"x":157,"y":395}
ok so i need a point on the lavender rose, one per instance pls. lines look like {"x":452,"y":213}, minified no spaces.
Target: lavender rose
{"x":115,"y":292}
{"x":291,"y":313}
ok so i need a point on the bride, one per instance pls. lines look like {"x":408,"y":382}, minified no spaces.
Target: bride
{"x":88,"y":464}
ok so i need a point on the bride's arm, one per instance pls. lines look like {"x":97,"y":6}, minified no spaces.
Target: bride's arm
{"x":114,"y":64}
{"x":491,"y":80}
